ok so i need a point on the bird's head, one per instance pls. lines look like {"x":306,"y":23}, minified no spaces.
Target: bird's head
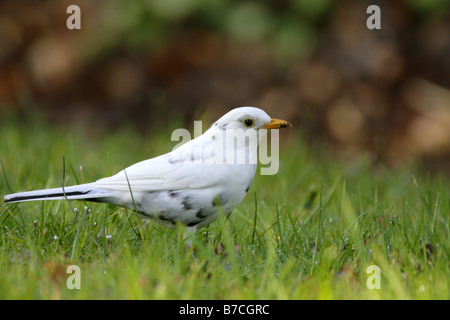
{"x":249,"y":118}
{"x":234,"y":138}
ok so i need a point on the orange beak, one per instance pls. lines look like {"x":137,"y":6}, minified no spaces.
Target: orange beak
{"x":277,"y":124}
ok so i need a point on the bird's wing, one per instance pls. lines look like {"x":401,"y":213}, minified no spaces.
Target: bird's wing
{"x":182,"y":168}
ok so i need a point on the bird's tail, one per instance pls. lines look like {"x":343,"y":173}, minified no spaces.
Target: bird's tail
{"x":83,"y":191}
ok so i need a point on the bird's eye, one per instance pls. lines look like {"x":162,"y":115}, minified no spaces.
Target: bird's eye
{"x":248,"y":122}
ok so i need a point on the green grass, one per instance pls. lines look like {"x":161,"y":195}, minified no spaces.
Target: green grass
{"x":309,"y":232}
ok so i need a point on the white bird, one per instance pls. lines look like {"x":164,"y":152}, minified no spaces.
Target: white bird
{"x":188,"y":185}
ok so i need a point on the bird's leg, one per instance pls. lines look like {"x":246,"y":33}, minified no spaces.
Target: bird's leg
{"x":188,"y":237}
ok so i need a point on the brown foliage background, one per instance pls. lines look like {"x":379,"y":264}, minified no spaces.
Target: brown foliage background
{"x":383,"y":93}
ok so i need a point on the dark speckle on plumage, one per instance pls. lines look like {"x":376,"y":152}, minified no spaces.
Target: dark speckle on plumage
{"x":193,"y":223}
{"x":172,"y":193}
{"x":186,"y":204}
{"x":201,"y":214}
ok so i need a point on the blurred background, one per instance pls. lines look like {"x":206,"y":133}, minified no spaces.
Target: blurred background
{"x":382,"y":94}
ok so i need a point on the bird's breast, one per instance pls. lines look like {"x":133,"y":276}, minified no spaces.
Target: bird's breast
{"x":198,"y":206}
